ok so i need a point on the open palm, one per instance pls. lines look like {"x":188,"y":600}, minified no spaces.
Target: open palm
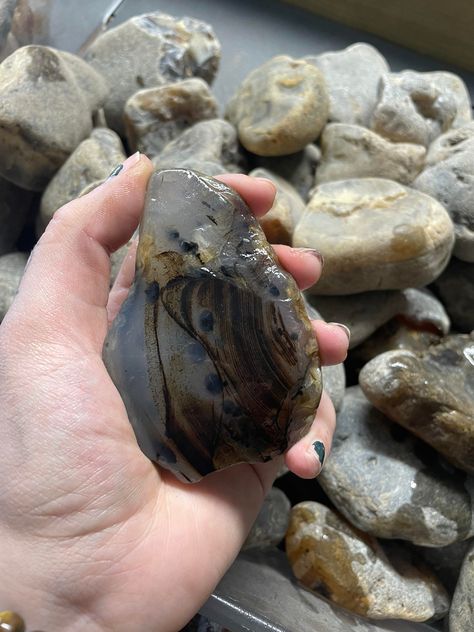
{"x":93,"y":535}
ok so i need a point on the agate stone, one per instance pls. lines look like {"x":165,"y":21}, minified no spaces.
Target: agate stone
{"x":212,"y":351}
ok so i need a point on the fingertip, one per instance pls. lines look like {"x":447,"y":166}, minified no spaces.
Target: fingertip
{"x":333,"y":341}
{"x":304,"y":264}
{"x":258,"y":193}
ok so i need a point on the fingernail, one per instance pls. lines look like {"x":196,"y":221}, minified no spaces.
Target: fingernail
{"x":344,"y":328}
{"x":320,"y":452}
{"x":312,"y":251}
{"x":131,"y":160}
{"x":268,"y":181}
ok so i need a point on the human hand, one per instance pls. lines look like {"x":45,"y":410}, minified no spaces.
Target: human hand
{"x":93,"y":535}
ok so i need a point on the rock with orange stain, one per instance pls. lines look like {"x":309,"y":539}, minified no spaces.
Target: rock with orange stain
{"x":375,"y":234}
{"x":330,"y":556}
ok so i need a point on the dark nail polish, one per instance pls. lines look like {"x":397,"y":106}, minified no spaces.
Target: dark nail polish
{"x":320,"y":451}
{"x":116,"y":171}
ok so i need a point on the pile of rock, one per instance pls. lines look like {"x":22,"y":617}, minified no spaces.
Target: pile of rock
{"x":376,"y":171}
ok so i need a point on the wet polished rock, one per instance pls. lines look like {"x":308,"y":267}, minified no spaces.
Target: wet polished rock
{"x":280,"y":107}
{"x":150,"y":50}
{"x":47,"y":99}
{"x":280,"y":221}
{"x":427,"y":505}
{"x":461,"y":614}
{"x":455,"y":287}
{"x":352,"y":77}
{"x":431,"y":393}
{"x":156,"y":116}
{"x":328,"y":555}
{"x":352,"y":151}
{"x":12,"y":267}
{"x":210,"y":147}
{"x":416,"y":107}
{"x":93,"y":160}
{"x":449,"y":177}
{"x":11,"y":622}
{"x":212,"y":351}
{"x":374,"y":234}
{"x":272,"y":521}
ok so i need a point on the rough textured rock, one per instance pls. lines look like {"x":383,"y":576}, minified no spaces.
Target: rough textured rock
{"x":351,"y":85}
{"x":352,"y":151}
{"x":93,"y":160}
{"x":298,"y":168}
{"x":449,"y":177}
{"x":156,"y":116}
{"x":417,"y":107}
{"x":430,"y":393}
{"x":427,"y":505}
{"x":12,"y":267}
{"x":210,"y":147}
{"x":446,"y":561}
{"x":15,"y":204}
{"x":461,"y":614}
{"x":455,"y":287}
{"x":272,"y":522}
{"x":46,"y":106}
{"x":149,"y":50}
{"x":375,"y":234}
{"x":351,"y":568}
{"x":235,"y":344}
{"x":279,"y":223}
{"x":280,"y":107}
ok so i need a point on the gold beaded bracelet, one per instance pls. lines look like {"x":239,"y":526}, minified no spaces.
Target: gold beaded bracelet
{"x":12,"y":622}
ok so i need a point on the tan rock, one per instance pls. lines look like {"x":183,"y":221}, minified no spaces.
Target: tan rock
{"x":326,"y":553}
{"x":431,"y":393}
{"x":156,"y":116}
{"x":280,"y":107}
{"x":375,"y":234}
{"x":280,"y":221}
{"x":352,"y":151}
{"x":94,"y":159}
{"x":46,"y":107}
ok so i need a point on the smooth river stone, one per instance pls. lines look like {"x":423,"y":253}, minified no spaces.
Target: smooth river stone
{"x":461,"y":614}
{"x":427,"y":505}
{"x":430,"y":393}
{"x":352,"y":77}
{"x":352,"y":151}
{"x":328,"y":555}
{"x":375,"y":234}
{"x":233,"y":375}
{"x":12,"y":267}
{"x":455,"y":287}
{"x":15,"y":204}
{"x":416,"y":107}
{"x":446,"y":561}
{"x":280,"y":221}
{"x":449,"y":177}
{"x":47,"y":99}
{"x":272,"y":521}
{"x":280,"y":107}
{"x":93,"y":160}
{"x":210,"y":147}
{"x":156,"y":116}
{"x":150,"y":50}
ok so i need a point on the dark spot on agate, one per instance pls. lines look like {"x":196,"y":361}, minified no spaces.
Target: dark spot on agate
{"x":274,"y":291}
{"x":212,"y":219}
{"x":197,"y":352}
{"x":231,"y":408}
{"x":140,"y":81}
{"x":294,"y":336}
{"x":152,"y":292}
{"x":206,"y":321}
{"x":225,"y":271}
{"x":46,"y":64}
{"x":213,"y":384}
{"x":173,"y":234}
{"x":189,"y":246}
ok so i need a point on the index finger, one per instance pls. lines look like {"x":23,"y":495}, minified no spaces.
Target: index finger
{"x":258,"y":193}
